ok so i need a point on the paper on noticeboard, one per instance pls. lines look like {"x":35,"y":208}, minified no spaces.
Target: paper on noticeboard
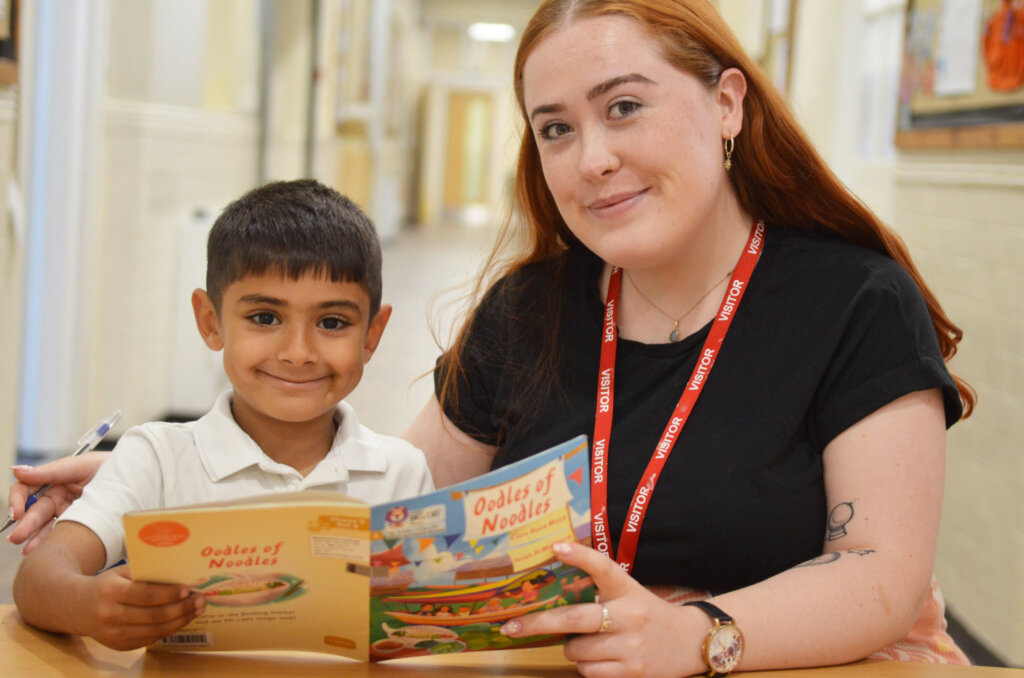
{"x":956,"y":57}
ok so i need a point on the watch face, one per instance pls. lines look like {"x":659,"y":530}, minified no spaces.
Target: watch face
{"x":725,"y":648}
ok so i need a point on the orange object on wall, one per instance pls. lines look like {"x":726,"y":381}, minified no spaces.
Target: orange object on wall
{"x":1004,"y":47}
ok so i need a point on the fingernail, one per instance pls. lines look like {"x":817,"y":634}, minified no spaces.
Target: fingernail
{"x":200,"y":606}
{"x":184,"y":593}
{"x":21,"y":467}
{"x":511,"y":628}
{"x":561,"y":548}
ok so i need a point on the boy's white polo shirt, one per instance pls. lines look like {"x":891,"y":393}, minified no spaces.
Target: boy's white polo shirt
{"x":158,"y":465}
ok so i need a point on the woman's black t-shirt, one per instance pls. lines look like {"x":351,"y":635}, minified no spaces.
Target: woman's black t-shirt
{"x":827,"y":333}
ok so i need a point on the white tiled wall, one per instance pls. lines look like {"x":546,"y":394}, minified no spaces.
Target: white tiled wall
{"x":964,"y":223}
{"x":161,"y":162}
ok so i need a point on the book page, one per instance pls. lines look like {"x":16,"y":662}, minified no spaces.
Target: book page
{"x":275,"y":576}
{"x":449,"y":568}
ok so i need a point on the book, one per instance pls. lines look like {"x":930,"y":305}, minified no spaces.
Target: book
{"x":319,"y":571}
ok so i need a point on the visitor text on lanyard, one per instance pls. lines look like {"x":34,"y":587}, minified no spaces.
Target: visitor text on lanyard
{"x":606,"y":399}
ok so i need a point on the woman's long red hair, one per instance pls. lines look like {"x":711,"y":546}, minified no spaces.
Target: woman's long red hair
{"x":776,"y":172}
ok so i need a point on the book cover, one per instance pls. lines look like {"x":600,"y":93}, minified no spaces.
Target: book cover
{"x":319,"y":571}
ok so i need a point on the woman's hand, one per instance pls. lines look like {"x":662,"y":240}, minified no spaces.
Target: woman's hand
{"x":646,"y":637}
{"x":66,"y":477}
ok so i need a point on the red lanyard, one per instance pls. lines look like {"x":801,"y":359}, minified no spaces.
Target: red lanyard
{"x":606,"y":399}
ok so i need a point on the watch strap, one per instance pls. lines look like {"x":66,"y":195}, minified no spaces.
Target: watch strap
{"x":712,"y":611}
{"x":721,"y":660}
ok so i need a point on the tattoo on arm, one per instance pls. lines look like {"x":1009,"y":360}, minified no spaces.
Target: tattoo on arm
{"x":826,"y":558}
{"x":823,"y":559}
{"x":838,"y":517}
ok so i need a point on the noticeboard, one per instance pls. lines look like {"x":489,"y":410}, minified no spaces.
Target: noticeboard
{"x":962,"y":80}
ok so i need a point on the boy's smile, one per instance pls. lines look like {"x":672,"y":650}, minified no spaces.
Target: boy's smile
{"x":293,"y":349}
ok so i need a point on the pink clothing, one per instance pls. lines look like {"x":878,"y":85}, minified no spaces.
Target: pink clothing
{"x":926,"y":642}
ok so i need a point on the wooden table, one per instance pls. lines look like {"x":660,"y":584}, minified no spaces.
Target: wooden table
{"x":30,"y":653}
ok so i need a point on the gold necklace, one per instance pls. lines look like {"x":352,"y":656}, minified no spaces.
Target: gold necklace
{"x":674,"y":334}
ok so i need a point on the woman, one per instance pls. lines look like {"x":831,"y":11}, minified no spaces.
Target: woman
{"x":805,"y":489}
{"x":689,"y":253}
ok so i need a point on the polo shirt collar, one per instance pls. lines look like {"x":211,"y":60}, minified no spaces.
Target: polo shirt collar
{"x":359,"y":448}
{"x":355,"y":449}
{"x":224,"y":448}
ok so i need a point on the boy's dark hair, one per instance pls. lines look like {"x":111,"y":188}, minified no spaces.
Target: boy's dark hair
{"x":293,"y":228}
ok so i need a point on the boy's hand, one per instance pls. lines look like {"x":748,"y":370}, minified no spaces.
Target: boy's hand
{"x":66,"y":476}
{"x":125,"y":615}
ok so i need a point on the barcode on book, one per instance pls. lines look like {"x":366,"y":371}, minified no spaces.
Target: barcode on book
{"x":187,"y":638}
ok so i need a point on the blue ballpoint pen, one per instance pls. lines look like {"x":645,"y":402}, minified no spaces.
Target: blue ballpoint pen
{"x":87,"y":442}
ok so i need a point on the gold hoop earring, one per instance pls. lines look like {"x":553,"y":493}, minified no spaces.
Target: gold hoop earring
{"x":729,"y":145}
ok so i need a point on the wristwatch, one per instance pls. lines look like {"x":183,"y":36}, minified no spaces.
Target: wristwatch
{"x":723,"y":646}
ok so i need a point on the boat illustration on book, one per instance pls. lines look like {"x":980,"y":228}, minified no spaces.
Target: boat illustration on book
{"x":476,"y":556}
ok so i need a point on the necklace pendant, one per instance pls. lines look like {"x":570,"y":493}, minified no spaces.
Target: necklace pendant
{"x":674,"y":336}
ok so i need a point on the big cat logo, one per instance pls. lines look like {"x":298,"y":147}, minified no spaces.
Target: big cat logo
{"x":396,"y":515}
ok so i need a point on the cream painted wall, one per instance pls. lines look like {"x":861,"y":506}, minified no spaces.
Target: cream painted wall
{"x":11,"y":268}
{"x":231,"y":73}
{"x":747,"y":20}
{"x":515,"y":12}
{"x":130,"y":31}
{"x":231,"y":69}
{"x":290,"y":79}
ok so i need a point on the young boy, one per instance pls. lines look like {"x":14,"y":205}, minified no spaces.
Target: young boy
{"x":293,"y":289}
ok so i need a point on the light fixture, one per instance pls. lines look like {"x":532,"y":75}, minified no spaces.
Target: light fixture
{"x":491,"y":32}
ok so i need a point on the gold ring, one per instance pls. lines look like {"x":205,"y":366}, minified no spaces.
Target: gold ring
{"x":606,"y":620}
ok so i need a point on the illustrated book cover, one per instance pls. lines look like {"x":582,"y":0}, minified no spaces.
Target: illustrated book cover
{"x":319,"y":571}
